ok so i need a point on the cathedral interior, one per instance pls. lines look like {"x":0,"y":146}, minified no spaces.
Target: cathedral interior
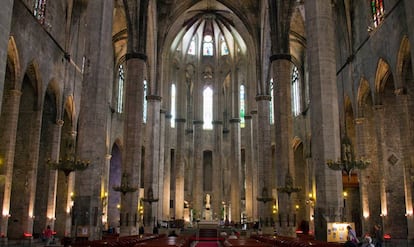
{"x":119,"y":114}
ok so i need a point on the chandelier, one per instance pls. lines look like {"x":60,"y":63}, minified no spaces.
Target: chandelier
{"x":150,"y":199}
{"x":348,"y":163}
{"x":125,"y":187}
{"x":265,"y":196}
{"x":288,"y":188}
{"x":70,"y":162}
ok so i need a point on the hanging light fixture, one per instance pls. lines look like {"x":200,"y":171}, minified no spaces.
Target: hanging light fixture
{"x":347,"y":163}
{"x":125,"y":187}
{"x":289,"y":188}
{"x":70,"y":162}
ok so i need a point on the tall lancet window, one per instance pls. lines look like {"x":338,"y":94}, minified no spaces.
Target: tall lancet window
{"x":296,"y":94}
{"x":223,"y":47}
{"x":242,"y":106}
{"x":39,"y":10}
{"x":121,"y":81}
{"x":208,"y":108}
{"x":208,"y":45}
{"x":145,"y":106}
{"x":192,"y":47}
{"x":377,"y":7}
{"x":271,"y":108}
{"x":173,"y":95}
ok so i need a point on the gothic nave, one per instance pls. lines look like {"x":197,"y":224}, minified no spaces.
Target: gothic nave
{"x":118,"y":114}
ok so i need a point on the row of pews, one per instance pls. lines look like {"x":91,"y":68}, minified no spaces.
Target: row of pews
{"x":291,"y":242}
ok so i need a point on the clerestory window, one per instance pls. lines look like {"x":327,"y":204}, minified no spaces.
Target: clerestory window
{"x":296,"y":92}
{"x":39,"y":10}
{"x":208,"y":108}
{"x":242,"y":106}
{"x":377,"y":8}
{"x":120,"y":94}
{"x":208,"y":45}
{"x":173,"y":99}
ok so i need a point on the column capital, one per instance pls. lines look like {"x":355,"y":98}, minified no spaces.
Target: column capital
{"x":216,"y":122}
{"x":180,"y":120}
{"x":153,"y":98}
{"x":234,"y":120}
{"x":15,"y":92}
{"x":198,"y":122}
{"x":168,"y":116}
{"x":359,"y":120}
{"x":136,"y":55}
{"x":59,"y":122}
{"x":248,"y":117}
{"x":281,"y":56}
{"x":263,"y":97}
{"x":163,"y":111}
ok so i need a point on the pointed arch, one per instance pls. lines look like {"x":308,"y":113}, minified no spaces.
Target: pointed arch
{"x":33,"y":73}
{"x":403,"y":60}
{"x":13,"y":62}
{"x":364,"y":92}
{"x":296,"y":142}
{"x":381,"y":77}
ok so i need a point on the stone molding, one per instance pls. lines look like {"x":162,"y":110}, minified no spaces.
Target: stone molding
{"x":263,"y":97}
{"x":138,"y":55}
{"x":280,"y":56}
{"x":153,"y":98}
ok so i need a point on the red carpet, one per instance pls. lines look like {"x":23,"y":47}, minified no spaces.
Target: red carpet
{"x":207,"y":244}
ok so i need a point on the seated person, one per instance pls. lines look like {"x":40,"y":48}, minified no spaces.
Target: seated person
{"x":233,"y":235}
{"x":172,"y":234}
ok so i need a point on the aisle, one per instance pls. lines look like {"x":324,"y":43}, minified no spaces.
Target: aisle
{"x":207,"y":244}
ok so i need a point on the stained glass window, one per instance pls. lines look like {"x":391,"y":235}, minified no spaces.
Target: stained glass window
{"x":144,"y":114}
{"x":377,"y":7}
{"x":39,"y":10}
{"x":121,"y":81}
{"x":296,"y":95}
{"x":208,"y":108}
{"x":208,"y":45}
{"x":192,"y":47}
{"x":272,"y":112}
{"x":173,"y":95}
{"x":242,"y":106}
{"x":224,"y":48}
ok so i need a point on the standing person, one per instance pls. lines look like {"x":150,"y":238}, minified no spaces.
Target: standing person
{"x":352,"y":235}
{"x":378,"y":235}
{"x":48,"y":235}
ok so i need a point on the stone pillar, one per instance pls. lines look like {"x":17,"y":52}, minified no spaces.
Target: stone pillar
{"x":198,"y":181}
{"x":326,"y":141}
{"x":93,"y":114}
{"x":9,"y":118}
{"x":235,"y":170}
{"x":364,"y":175}
{"x":152,"y":166}
{"x":179,"y":169}
{"x":250,"y":200}
{"x":264,"y":160}
{"x":53,"y":175}
{"x":282,"y":105}
{"x":406,"y":147}
{"x":167,"y":169}
{"x":161,"y":171}
{"x":217,"y":166}
{"x":255,"y":178}
{"x":6,"y":12}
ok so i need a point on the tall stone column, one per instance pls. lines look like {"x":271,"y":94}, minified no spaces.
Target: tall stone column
{"x":250,"y":200}
{"x":93,"y":114}
{"x":198,"y":180}
{"x":364,"y":179}
{"x":166,"y":195}
{"x":152,"y":166}
{"x":9,"y":118}
{"x":217,"y":166}
{"x":235,"y":170}
{"x":179,"y":169}
{"x":264,"y":160}
{"x":326,"y":141}
{"x":255,"y":167}
{"x":282,"y":67}
{"x":53,"y":175}
{"x":6,"y":12}
{"x":161,"y":171}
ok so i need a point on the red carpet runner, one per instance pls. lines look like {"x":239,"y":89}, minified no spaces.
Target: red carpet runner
{"x":207,"y":244}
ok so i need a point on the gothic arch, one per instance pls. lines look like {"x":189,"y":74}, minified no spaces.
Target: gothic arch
{"x":364,"y":92}
{"x":13,"y":63}
{"x":403,"y":60}
{"x":33,"y":73}
{"x":381,"y":77}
